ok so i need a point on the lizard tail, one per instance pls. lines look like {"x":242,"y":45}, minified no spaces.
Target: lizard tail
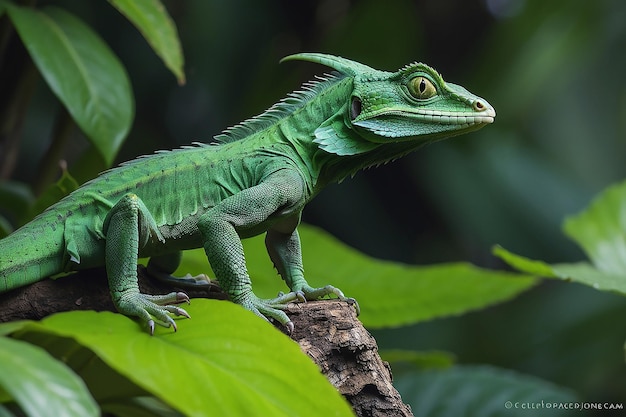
{"x":30,"y":254}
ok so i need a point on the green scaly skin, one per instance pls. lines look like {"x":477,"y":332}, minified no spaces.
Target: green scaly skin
{"x":256,"y":178}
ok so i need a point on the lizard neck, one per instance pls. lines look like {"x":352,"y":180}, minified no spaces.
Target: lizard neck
{"x":318,"y":166}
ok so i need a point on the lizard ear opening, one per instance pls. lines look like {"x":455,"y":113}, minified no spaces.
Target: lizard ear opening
{"x":355,"y":108}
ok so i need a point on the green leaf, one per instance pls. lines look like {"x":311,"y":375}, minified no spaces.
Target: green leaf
{"x":390,"y":294}
{"x":105,"y":384}
{"x":581,"y":272}
{"x":40,"y":384}
{"x":482,"y":391}
{"x":153,"y":21}
{"x":601,"y":230}
{"x":82,"y":71}
{"x":12,"y":326}
{"x":225,"y":361}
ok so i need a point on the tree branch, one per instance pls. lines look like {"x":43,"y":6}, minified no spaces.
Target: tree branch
{"x":327,"y":331}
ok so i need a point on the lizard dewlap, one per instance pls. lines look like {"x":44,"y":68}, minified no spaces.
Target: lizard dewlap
{"x":255,"y":178}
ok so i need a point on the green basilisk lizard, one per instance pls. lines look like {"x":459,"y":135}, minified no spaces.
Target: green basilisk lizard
{"x":255,"y":178}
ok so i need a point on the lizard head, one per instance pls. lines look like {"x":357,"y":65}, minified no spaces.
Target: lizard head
{"x":411,"y":104}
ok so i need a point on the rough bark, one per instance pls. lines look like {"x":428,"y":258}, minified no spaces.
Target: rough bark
{"x":327,"y":331}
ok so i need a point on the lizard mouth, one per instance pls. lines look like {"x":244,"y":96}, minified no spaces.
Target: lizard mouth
{"x":485,"y":116}
{"x":449,"y":117}
{"x":401,"y":124}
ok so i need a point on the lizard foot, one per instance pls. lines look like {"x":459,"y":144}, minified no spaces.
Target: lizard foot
{"x":272,"y":309}
{"x":309,"y":293}
{"x":148,"y":306}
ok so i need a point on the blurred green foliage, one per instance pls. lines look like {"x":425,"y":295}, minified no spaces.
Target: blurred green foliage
{"x":554,"y":72}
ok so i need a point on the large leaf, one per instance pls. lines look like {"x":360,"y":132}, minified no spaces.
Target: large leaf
{"x":482,"y":391}
{"x":153,"y":21}
{"x":225,"y":361}
{"x":40,"y":384}
{"x":390,"y":294}
{"x":581,"y":272}
{"x":601,"y":231}
{"x":82,"y":71}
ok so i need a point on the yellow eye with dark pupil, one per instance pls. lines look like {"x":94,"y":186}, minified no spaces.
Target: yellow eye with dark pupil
{"x":422,"y":88}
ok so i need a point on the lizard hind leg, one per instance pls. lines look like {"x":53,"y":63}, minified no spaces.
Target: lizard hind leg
{"x":127,"y":222}
{"x":163,"y":266}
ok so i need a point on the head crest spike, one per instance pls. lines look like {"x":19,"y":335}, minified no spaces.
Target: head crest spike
{"x":343,"y":65}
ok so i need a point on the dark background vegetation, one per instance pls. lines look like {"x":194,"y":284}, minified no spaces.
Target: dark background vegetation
{"x":554,"y":71}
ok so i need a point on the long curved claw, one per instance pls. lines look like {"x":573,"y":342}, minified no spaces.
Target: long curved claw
{"x":180,"y":297}
{"x":177,"y":311}
{"x":171,"y":322}
{"x":301,"y":296}
{"x":290,"y":327}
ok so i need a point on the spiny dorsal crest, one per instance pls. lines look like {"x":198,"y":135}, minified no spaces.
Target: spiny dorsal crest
{"x":278,"y":111}
{"x":297,"y":99}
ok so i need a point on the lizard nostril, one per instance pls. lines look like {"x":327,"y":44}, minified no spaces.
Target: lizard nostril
{"x":478,"y":105}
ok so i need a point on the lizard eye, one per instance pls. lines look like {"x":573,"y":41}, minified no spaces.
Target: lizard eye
{"x":422,"y":88}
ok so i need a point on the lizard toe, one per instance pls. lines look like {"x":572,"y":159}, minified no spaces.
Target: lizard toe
{"x":310,"y":293}
{"x":177,"y":311}
{"x":271,"y":309}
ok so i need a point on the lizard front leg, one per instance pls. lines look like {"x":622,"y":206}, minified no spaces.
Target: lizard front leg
{"x":285,"y":251}
{"x":249,"y":212}
{"x":127,"y":222}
